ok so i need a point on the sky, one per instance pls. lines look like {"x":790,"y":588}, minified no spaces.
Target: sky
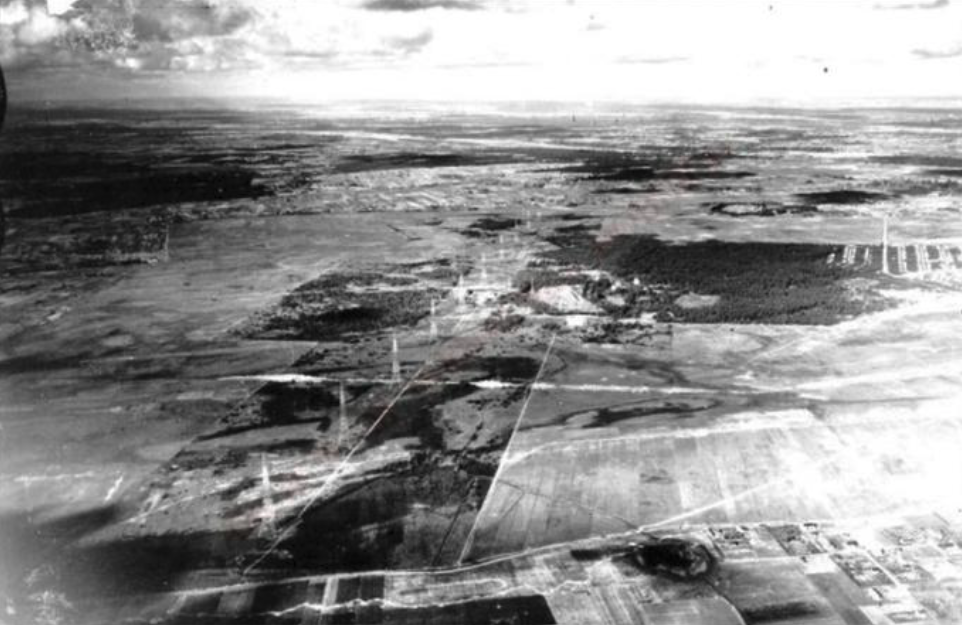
{"x":707,"y":51}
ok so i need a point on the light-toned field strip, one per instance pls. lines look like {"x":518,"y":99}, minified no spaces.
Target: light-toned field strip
{"x":922,"y":258}
{"x":636,"y":389}
{"x":934,"y":370}
{"x":786,"y":424}
{"x":945,"y":257}
{"x":848,"y":256}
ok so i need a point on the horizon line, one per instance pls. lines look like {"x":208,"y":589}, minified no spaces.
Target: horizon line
{"x":590,"y":106}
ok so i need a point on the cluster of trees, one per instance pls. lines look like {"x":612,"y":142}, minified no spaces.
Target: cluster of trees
{"x":756,"y":282}
{"x":323,"y":310}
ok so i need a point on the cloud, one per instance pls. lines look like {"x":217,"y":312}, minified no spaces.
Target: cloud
{"x":420,"y":5}
{"x":29,"y":35}
{"x":485,"y":65}
{"x":129,"y":35}
{"x":938,"y":54}
{"x":654,"y":60}
{"x":323,"y":55}
{"x":907,"y":6}
{"x":180,"y":19}
{"x":197,"y":36}
{"x":59,"y":7}
{"x":505,"y":46}
{"x":410,"y":45}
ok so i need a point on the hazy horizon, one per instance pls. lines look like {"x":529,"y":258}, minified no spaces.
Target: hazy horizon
{"x":557,"y":107}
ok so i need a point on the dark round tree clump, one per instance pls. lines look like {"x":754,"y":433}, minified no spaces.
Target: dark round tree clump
{"x":677,"y":557}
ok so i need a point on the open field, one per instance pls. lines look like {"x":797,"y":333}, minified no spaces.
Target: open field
{"x":647,"y":368}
